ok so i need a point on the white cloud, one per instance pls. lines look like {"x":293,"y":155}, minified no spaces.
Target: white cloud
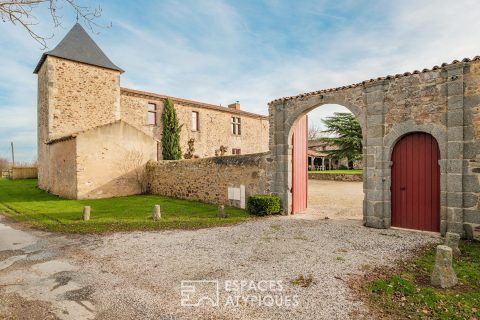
{"x":211,"y":51}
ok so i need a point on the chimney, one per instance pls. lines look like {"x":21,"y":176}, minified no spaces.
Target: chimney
{"x":235,"y":105}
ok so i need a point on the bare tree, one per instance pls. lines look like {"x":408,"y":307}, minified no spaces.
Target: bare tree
{"x":22,"y":13}
{"x":314,"y":132}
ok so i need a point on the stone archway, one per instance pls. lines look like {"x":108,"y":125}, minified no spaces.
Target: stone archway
{"x":435,"y":101}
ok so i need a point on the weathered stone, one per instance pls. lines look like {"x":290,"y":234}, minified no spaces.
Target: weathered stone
{"x":221,"y":211}
{"x":156,"y":214}
{"x":443,"y":275}
{"x":452,"y":240}
{"x":472,"y":231}
{"x":86,"y":213}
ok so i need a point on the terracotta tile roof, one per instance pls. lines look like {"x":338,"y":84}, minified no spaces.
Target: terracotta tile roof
{"x":193,"y":103}
{"x":389,"y":77}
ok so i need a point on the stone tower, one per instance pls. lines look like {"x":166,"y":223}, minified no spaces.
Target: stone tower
{"x":78,"y":89}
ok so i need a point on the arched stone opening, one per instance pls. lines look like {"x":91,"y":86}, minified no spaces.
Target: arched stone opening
{"x":441,"y":102}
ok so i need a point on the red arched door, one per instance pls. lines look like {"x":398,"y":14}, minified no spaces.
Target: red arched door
{"x":415,"y":186}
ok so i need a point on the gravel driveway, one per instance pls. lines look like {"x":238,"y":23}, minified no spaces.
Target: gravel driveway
{"x":138,"y":275}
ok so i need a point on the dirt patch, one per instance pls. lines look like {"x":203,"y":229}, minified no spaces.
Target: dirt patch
{"x":13,"y":306}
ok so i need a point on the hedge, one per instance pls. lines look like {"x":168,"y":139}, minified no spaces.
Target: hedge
{"x":261,"y":205}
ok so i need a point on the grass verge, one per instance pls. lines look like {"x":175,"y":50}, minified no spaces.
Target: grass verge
{"x":22,"y":201}
{"x":406,"y":293}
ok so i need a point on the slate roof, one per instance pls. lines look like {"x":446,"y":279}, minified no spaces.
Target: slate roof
{"x":79,"y":46}
{"x":389,"y":77}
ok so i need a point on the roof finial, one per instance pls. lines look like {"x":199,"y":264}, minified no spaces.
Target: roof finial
{"x":77,"y":17}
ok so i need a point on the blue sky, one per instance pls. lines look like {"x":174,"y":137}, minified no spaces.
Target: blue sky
{"x":220,"y":51}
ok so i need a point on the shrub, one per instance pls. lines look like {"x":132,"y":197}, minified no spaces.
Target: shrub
{"x":263,"y":205}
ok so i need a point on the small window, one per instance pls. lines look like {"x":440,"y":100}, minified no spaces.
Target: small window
{"x":152,"y":114}
{"x":195,"y":121}
{"x":236,"y":151}
{"x":236,"y":126}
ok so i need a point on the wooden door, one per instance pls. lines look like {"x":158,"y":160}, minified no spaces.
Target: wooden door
{"x":415,"y":189}
{"x":300,"y":166}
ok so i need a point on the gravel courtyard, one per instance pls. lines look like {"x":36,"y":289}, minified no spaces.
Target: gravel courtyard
{"x":138,"y":275}
{"x":334,"y":199}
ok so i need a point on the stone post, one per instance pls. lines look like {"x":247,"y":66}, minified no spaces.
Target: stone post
{"x":443,"y":275}
{"x":221,"y":211}
{"x":86,"y":213}
{"x":156,"y":215}
{"x":452,"y":240}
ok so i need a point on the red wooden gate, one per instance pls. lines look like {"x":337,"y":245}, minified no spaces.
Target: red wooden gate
{"x":415,"y":188}
{"x":300,"y":166}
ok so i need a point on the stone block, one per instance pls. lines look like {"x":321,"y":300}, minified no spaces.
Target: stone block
{"x":443,"y":275}
{"x":455,"y":119}
{"x":452,"y":240}
{"x":471,"y":216}
{"x":454,"y":166}
{"x":472,"y":231}
{"x":454,"y":182}
{"x":471,"y":183}
{"x":455,"y":150}
{"x":375,"y":131}
{"x":470,"y":200}
{"x":455,"y":133}
{"x":455,"y":102}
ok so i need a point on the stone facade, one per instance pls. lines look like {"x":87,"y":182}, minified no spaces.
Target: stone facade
{"x":443,"y":101}
{"x":215,"y":128}
{"x":208,"y":179}
{"x":88,"y":125}
{"x":106,"y":161}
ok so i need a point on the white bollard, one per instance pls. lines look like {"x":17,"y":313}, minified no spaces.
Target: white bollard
{"x":86,"y":213}
{"x":156,"y":212}
{"x":221,"y":211}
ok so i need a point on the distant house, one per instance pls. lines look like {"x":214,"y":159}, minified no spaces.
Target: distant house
{"x":319,"y":158}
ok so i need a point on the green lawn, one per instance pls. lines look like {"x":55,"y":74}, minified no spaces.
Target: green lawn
{"x":407,"y":294}
{"x":21,"y":200}
{"x":338,"y":171}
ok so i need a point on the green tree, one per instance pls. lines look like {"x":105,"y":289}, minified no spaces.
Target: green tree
{"x":345,"y":134}
{"x":171,"y":133}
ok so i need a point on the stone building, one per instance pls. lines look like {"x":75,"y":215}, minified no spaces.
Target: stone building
{"x":93,"y":135}
{"x":320,"y":159}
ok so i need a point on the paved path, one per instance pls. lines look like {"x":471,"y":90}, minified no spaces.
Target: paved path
{"x":138,"y":275}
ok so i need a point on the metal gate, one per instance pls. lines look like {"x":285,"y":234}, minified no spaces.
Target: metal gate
{"x":300,"y":166}
{"x":415,"y":188}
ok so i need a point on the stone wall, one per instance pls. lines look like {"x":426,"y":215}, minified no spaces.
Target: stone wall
{"x":208,"y":179}
{"x":443,"y":102}
{"x":335,"y":176}
{"x":214,"y":124}
{"x":61,"y":178}
{"x":109,"y":158}
{"x":80,"y":96}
